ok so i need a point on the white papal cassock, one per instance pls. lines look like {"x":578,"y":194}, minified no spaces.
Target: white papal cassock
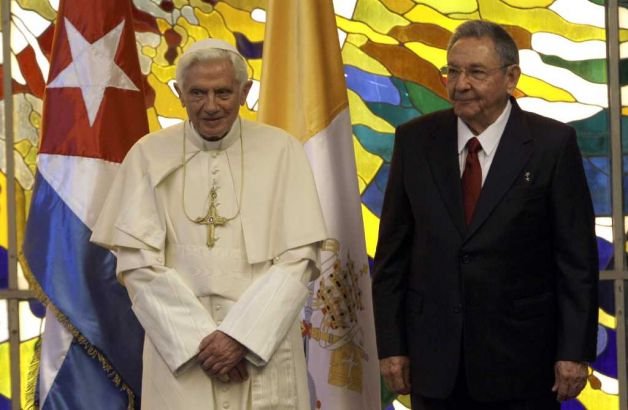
{"x":249,"y":285}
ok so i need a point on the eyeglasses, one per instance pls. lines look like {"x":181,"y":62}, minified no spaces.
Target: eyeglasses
{"x":473,"y":73}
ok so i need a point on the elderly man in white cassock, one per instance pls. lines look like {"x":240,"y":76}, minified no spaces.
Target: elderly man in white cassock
{"x":216,"y":223}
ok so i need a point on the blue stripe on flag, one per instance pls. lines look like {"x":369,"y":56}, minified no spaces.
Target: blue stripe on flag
{"x":79,"y":279}
{"x":70,"y":390}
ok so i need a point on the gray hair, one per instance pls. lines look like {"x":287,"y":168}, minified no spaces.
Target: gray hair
{"x":187,"y":60}
{"x":504,"y":44}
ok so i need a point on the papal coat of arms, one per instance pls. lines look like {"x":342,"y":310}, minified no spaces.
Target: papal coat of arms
{"x":331,"y":317}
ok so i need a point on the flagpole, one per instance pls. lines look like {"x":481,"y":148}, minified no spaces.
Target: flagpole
{"x":13,"y":304}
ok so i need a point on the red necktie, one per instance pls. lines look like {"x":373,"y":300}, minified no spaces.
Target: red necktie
{"x":471,"y":179}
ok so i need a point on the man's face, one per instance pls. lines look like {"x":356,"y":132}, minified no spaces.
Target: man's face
{"x":212,"y":97}
{"x":479,"y":102}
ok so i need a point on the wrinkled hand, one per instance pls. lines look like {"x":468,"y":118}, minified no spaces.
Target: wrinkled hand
{"x":396,"y":373}
{"x":238,"y":373}
{"x":220,"y":355}
{"x":570,"y":379}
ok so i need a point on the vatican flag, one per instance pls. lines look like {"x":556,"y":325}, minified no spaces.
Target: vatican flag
{"x":303,"y":91}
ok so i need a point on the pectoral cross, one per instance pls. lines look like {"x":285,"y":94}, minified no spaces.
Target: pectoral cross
{"x":212,"y":219}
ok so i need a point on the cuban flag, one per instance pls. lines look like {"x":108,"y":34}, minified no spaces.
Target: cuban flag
{"x":93,"y":112}
{"x":303,"y":91}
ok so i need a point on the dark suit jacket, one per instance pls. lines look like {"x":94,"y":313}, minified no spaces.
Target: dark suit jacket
{"x":516,"y":290}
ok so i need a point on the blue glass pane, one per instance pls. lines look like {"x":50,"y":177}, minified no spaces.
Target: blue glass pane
{"x":572,"y":405}
{"x":625,"y":181}
{"x":371,"y":87}
{"x":5,"y":403}
{"x":597,"y":170}
{"x":373,"y":196}
{"x":605,"y":253}
{"x":4,"y":268}
{"x":37,"y":308}
{"x":606,"y":296}
{"x":606,"y":361}
{"x":248,"y":48}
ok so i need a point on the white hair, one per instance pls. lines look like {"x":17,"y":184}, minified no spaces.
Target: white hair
{"x":188,"y":59}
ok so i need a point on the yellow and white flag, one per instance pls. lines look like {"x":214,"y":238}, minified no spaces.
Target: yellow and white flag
{"x":303,"y":91}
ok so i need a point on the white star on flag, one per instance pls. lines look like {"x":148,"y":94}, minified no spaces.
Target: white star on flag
{"x":93,"y":68}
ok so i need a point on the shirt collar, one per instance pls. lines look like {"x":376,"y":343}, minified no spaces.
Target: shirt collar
{"x":222,"y":144}
{"x":491,"y":135}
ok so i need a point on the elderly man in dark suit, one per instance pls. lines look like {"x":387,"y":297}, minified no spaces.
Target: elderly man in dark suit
{"x":485,"y":284}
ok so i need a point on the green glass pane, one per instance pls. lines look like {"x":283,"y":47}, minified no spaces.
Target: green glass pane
{"x":593,"y":134}
{"x":425,"y":100}
{"x":591,"y":70}
{"x":394,"y":114}
{"x":623,"y":74}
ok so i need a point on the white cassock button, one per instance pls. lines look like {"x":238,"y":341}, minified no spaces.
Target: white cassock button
{"x":160,"y":259}
{"x":218,"y":307}
{"x":218,"y":322}
{"x":214,"y":154}
{"x":225,"y":405}
{"x":276,"y":259}
{"x":215,"y":171}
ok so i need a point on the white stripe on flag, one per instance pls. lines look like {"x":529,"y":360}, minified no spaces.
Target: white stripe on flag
{"x":54,"y":347}
{"x":82,"y":183}
{"x":331,"y":157}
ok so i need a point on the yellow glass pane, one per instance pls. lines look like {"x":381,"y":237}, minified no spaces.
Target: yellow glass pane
{"x":448,"y":7}
{"x":4,"y":217}
{"x":216,"y":26}
{"x":534,"y":87}
{"x":352,"y":55}
{"x":529,"y":3}
{"x":367,"y":163}
{"x":424,"y":14}
{"x":436,"y":56}
{"x":241,"y":21}
{"x":371,"y":230}
{"x":357,"y":27}
{"x":41,"y":7}
{"x":361,"y":114}
{"x":543,"y":20}
{"x":376,"y":15}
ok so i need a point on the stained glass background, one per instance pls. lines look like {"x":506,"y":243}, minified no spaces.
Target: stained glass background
{"x":392,"y":50}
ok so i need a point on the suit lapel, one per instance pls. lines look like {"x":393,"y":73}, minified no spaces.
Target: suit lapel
{"x":442,"y":157}
{"x":513,"y":152}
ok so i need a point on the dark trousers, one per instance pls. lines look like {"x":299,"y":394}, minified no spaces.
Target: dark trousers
{"x":456,"y":402}
{"x":461,"y":400}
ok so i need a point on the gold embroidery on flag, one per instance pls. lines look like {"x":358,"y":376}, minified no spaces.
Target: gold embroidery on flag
{"x":339,"y":299}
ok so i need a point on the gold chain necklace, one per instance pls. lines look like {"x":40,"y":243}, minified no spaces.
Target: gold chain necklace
{"x":212,"y":219}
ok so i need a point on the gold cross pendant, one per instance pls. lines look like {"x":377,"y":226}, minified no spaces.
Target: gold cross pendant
{"x":212,"y":219}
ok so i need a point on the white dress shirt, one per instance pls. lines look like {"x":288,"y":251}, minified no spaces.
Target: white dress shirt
{"x":489,"y":139}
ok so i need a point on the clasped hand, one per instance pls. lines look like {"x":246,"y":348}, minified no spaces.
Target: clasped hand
{"x":570,"y":379}
{"x":222,"y":357}
{"x":396,"y":373}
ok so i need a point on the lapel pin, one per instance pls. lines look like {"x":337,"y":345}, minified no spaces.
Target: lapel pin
{"x":527,"y":176}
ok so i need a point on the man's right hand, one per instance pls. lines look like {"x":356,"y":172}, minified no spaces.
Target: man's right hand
{"x":221,"y":356}
{"x":396,"y":373}
{"x":238,"y":373}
